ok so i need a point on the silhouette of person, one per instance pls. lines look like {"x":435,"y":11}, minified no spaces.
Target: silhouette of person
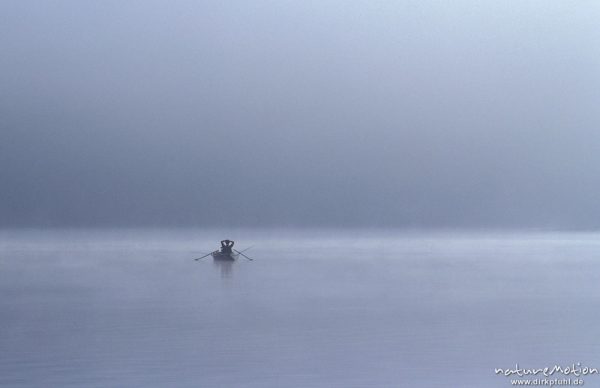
{"x":227,"y":246}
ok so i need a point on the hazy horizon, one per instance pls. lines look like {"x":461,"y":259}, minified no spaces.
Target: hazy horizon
{"x":300,"y":114}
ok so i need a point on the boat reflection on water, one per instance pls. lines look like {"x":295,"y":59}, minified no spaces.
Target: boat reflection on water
{"x":225,"y":266}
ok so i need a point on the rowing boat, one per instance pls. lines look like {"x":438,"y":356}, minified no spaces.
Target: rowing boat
{"x":226,"y":253}
{"x":224,"y":256}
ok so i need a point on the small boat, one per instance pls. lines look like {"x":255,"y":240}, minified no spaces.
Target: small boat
{"x":224,"y":256}
{"x":226,"y":253}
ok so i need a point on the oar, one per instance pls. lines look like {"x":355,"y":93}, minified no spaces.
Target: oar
{"x":243,"y":254}
{"x":244,"y":250}
{"x":208,"y":254}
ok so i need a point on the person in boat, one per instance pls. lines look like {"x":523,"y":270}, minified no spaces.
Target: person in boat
{"x":227,"y":247}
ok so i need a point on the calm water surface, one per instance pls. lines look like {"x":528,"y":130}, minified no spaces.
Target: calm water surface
{"x":317,"y":308}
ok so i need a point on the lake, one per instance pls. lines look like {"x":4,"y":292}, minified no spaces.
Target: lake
{"x":316,"y":307}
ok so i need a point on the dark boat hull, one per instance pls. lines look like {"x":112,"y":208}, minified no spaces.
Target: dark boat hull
{"x":224,"y":256}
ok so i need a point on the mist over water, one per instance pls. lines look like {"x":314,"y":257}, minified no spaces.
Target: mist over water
{"x":331,"y":116}
{"x":316,"y":308}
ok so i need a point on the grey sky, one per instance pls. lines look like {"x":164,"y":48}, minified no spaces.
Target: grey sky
{"x":374,"y":113}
